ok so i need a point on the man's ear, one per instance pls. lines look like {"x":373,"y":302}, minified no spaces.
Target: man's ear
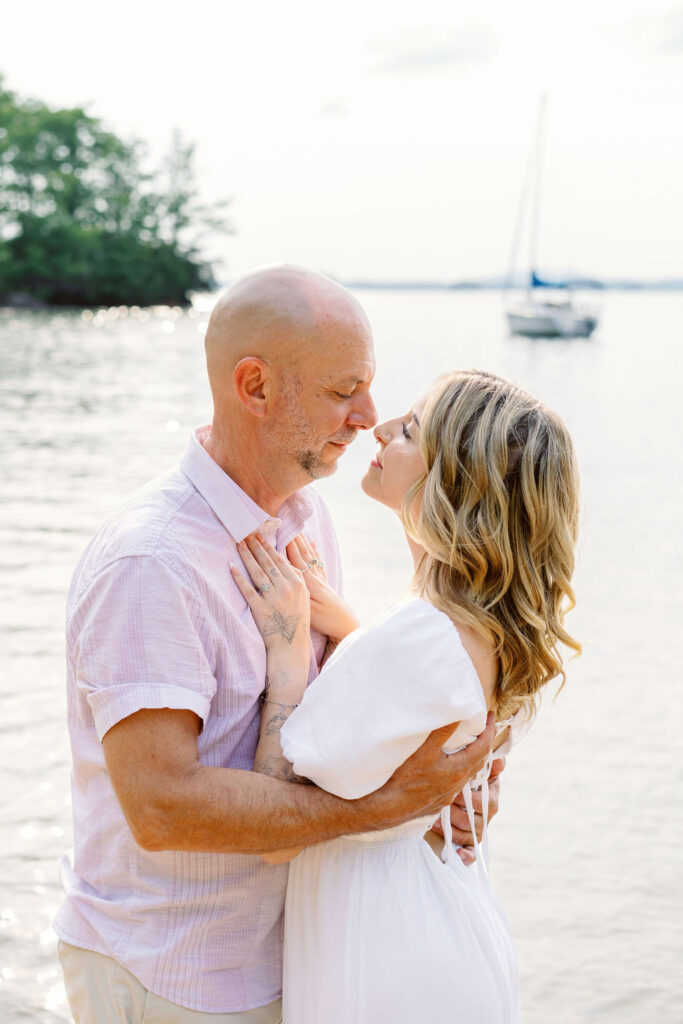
{"x":251,"y":378}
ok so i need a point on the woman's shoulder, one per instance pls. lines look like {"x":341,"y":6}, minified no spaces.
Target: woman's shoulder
{"x":408,"y":623}
{"x":410,"y":639}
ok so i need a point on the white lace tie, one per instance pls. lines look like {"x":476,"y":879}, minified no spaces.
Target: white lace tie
{"x":481,"y":850}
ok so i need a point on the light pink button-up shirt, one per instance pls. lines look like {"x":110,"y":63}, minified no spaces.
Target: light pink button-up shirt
{"x":154,"y":620}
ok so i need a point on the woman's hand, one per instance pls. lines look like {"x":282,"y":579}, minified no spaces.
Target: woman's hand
{"x":329,"y":613}
{"x":277,"y":595}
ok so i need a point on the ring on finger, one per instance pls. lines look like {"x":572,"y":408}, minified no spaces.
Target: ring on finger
{"x":274,"y":571}
{"x":265,"y":588}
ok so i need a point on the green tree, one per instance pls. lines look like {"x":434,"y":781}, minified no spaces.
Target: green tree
{"x":81,"y":221}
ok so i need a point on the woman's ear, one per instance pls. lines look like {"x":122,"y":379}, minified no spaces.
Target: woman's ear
{"x":251,"y":378}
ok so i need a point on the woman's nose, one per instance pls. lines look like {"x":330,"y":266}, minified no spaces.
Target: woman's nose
{"x":381,"y":433}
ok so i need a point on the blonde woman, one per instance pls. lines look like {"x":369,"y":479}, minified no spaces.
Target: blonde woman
{"x":385,"y":926}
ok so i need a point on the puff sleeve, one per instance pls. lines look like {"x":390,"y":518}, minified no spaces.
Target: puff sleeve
{"x":376,"y":700}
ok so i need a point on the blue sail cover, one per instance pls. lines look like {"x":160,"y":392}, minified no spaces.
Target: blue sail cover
{"x":538,"y":282}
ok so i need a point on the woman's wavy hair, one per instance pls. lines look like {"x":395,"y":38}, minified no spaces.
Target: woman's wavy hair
{"x":498,"y":520}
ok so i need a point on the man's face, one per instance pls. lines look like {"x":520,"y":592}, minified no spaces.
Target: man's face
{"x":326,"y":401}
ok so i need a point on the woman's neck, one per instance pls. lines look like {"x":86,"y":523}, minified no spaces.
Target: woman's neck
{"x":416,"y":550}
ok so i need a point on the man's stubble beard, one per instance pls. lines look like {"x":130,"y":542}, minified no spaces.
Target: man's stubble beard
{"x":314,"y":466}
{"x":297,"y":439}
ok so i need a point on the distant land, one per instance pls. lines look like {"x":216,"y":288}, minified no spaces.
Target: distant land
{"x":498,"y":284}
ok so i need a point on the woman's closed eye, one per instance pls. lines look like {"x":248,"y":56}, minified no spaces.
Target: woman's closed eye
{"x":406,"y":432}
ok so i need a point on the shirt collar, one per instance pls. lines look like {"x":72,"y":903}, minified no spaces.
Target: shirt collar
{"x":238,"y":512}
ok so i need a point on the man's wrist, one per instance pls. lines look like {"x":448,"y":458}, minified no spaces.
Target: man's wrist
{"x":375,"y":812}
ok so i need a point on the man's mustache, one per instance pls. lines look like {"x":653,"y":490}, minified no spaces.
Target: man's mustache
{"x":346,"y":438}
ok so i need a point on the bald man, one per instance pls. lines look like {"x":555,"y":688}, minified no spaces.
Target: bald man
{"x":168,"y":916}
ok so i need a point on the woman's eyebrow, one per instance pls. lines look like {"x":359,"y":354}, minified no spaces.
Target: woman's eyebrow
{"x":415,"y":419}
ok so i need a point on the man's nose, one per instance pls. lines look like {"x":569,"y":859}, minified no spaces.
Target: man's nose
{"x":363,"y":416}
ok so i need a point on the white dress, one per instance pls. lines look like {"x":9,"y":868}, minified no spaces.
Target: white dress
{"x":377,"y":927}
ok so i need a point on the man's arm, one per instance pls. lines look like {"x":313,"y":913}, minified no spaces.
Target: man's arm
{"x":173,"y":802}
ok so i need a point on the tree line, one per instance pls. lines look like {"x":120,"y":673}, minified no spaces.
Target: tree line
{"x":82,"y":223}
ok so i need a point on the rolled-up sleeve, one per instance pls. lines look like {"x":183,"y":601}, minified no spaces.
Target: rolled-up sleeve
{"x":141,"y":641}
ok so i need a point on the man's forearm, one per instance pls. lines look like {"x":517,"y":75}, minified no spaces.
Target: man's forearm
{"x":223,"y":810}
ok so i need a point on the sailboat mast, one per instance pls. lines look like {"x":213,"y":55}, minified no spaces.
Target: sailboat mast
{"x":536,"y":201}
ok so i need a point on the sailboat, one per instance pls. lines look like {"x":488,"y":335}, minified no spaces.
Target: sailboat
{"x":556,"y":316}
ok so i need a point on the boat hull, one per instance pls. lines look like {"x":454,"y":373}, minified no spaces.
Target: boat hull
{"x":552,"y":325}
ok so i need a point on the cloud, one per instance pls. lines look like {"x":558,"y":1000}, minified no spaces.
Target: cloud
{"x":433,"y":50}
{"x":670,"y":34}
{"x":658,"y":34}
{"x":334,"y":107}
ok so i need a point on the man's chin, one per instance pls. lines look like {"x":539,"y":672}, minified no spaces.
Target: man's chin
{"x":316,"y":467}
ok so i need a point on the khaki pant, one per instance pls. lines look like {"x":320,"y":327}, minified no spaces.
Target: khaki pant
{"x":101,"y":991}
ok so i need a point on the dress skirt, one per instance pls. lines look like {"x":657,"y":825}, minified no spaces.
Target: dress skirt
{"x":379,"y":929}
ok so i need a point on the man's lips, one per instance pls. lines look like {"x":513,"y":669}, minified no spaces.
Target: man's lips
{"x":343,"y":442}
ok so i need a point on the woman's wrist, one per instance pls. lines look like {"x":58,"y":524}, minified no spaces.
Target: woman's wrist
{"x":286,"y":676}
{"x":346,"y":624}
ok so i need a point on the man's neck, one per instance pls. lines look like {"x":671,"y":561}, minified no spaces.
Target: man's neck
{"x":247,"y":466}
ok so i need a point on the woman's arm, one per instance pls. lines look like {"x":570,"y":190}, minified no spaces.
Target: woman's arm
{"x":279,"y":602}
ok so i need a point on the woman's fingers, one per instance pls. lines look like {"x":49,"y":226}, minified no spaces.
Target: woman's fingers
{"x":304,"y":546}
{"x":244,"y":586}
{"x":299,"y":550}
{"x":315,"y":557}
{"x":294,"y":555}
{"x":314,"y":548}
{"x":270,"y":560}
{"x":311,"y":561}
{"x":263,"y":555}
{"x":258,"y":575}
{"x":310,"y":555}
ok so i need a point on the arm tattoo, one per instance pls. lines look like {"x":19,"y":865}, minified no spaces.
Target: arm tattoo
{"x":280,"y":769}
{"x":285,"y":626}
{"x":275,"y":723}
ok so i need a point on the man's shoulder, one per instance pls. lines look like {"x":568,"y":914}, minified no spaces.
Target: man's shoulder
{"x":150,"y":524}
{"x":145,"y":523}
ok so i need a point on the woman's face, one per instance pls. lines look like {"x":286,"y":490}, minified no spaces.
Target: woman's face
{"x":398,"y":462}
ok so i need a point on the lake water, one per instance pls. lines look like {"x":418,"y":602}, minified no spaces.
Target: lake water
{"x":586,"y":849}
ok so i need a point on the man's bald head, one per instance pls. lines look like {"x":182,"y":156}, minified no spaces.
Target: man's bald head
{"x":281,"y":315}
{"x":290,"y":360}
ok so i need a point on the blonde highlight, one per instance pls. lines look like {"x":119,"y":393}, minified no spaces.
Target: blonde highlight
{"x":498,"y":520}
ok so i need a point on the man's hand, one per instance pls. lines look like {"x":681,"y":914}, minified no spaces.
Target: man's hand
{"x":459,"y":820}
{"x":428,"y":780}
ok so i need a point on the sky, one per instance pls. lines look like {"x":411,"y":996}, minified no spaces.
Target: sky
{"x":389,"y":140}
